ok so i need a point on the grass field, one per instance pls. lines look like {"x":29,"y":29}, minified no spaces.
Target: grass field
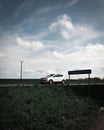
{"x":44,"y":108}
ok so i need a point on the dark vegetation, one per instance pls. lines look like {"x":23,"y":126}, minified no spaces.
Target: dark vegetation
{"x":94,"y":81}
{"x":19,"y":81}
{"x":48,"y":107}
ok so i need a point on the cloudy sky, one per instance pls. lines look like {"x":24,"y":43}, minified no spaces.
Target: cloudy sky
{"x":51,"y":36}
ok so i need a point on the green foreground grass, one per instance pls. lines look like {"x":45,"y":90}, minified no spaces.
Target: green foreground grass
{"x":44,"y":108}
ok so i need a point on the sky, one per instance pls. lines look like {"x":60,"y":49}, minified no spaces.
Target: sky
{"x":51,"y":36}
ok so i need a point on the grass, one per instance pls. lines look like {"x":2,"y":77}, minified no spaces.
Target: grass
{"x":44,"y":108}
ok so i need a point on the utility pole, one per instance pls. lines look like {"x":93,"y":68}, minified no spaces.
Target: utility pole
{"x":21,"y":69}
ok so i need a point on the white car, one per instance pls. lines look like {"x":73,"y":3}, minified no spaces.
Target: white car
{"x":53,"y":78}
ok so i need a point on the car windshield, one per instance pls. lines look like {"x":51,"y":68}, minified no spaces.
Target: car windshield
{"x":50,"y":75}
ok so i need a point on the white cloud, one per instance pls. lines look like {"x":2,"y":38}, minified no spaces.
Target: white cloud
{"x":53,"y":26}
{"x":32,"y":45}
{"x":68,"y":30}
{"x":65,"y":34}
{"x":74,"y":50}
{"x":29,"y":71}
{"x":96,"y":50}
{"x":57,"y":55}
{"x":89,"y":56}
{"x":1,"y":55}
{"x":89,"y":53}
{"x":8,"y":72}
{"x":63,"y":22}
{"x":72,"y":2}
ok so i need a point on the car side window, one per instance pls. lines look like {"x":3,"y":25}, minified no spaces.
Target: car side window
{"x":55,"y":75}
{"x":58,"y":75}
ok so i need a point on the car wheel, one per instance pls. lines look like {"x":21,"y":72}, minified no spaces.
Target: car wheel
{"x":50,"y":81}
{"x":63,"y":81}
